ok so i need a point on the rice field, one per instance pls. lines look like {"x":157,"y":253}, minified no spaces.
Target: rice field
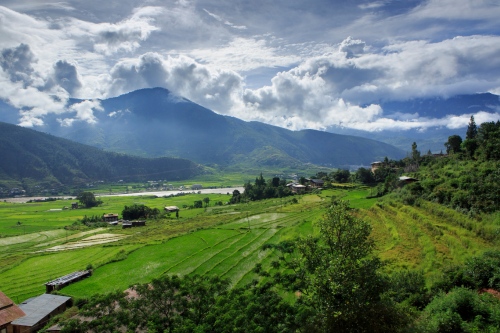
{"x":229,"y":251}
{"x":227,"y":241}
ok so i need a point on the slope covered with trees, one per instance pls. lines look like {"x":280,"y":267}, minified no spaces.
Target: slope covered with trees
{"x":32,"y":157}
{"x":468,"y":179}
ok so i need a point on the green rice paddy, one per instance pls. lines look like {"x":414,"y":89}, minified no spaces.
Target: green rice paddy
{"x":217,"y":240}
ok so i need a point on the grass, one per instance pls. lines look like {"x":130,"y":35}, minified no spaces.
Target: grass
{"x":28,"y":277}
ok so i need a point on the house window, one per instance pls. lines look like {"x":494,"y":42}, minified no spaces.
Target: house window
{"x":3,"y":330}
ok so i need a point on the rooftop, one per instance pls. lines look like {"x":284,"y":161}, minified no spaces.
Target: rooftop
{"x":8,"y":310}
{"x":38,"y":308}
{"x":67,"y":278}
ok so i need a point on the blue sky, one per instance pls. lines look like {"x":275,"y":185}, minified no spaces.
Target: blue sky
{"x":295,"y":64}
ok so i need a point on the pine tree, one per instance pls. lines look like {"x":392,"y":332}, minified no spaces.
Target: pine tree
{"x":471,"y":129}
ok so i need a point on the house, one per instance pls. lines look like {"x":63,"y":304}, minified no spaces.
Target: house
{"x":138,"y":223}
{"x":377,"y":165}
{"x":110,"y":217}
{"x":38,"y":312}
{"x":74,"y":205}
{"x":196,"y":187}
{"x":8,"y":313}
{"x":130,"y":224}
{"x":66,"y":280}
{"x":298,"y":188}
{"x":316,"y":183}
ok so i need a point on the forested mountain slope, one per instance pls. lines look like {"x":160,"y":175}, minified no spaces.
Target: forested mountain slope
{"x":31,"y":156}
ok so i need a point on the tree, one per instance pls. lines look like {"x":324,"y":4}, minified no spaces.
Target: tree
{"x":137,"y":211}
{"x":236,"y":198}
{"x":88,"y":199}
{"x":206,"y":200}
{"x":415,"y":154}
{"x":198,"y":204}
{"x":453,"y":144}
{"x":365,"y":176}
{"x":341,"y":176}
{"x":337,"y":276}
{"x":471,"y":129}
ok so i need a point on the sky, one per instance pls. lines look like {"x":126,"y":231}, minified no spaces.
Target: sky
{"x":291,"y":63}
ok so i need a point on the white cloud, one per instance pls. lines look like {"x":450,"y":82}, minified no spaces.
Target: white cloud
{"x":458,"y":9}
{"x":424,"y":123}
{"x":221,"y":20}
{"x":84,"y":112}
{"x":109,"y":38}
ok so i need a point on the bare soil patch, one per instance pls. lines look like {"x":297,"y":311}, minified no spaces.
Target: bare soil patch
{"x":89,"y":241}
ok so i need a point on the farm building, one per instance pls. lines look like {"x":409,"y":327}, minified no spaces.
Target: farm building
{"x":74,"y":205}
{"x":66,"y":280}
{"x":130,"y":224}
{"x":196,"y":187}
{"x":377,"y":165}
{"x":298,"y":188}
{"x":8,"y":313}
{"x":38,"y":312}
{"x":316,"y":183}
{"x":110,"y":217}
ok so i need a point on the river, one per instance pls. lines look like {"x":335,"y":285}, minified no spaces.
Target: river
{"x":157,"y":193}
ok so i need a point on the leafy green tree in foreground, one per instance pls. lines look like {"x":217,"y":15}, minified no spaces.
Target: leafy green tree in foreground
{"x":88,"y":199}
{"x":337,"y":276}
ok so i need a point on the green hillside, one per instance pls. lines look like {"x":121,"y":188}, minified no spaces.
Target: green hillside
{"x":30,"y":157}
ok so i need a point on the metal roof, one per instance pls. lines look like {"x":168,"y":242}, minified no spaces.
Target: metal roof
{"x":38,"y":308}
{"x":67,"y":278}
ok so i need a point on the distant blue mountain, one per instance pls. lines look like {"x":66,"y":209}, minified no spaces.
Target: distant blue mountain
{"x":154,"y":122}
{"x":431,"y":138}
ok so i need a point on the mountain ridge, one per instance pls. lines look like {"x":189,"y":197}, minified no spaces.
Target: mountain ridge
{"x":153,"y":122}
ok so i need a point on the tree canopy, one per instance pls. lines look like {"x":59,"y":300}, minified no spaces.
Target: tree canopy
{"x":88,"y":199}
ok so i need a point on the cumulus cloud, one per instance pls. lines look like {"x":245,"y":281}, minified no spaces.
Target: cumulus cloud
{"x":16,"y":63}
{"x":213,"y":88}
{"x":329,"y":90}
{"x":66,"y":75}
{"x":84,"y":111}
{"x":352,"y":47}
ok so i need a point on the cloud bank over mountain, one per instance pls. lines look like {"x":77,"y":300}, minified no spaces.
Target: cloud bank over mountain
{"x":310,"y":64}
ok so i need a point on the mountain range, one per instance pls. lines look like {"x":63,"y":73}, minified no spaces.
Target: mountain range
{"x":154,"y":122}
